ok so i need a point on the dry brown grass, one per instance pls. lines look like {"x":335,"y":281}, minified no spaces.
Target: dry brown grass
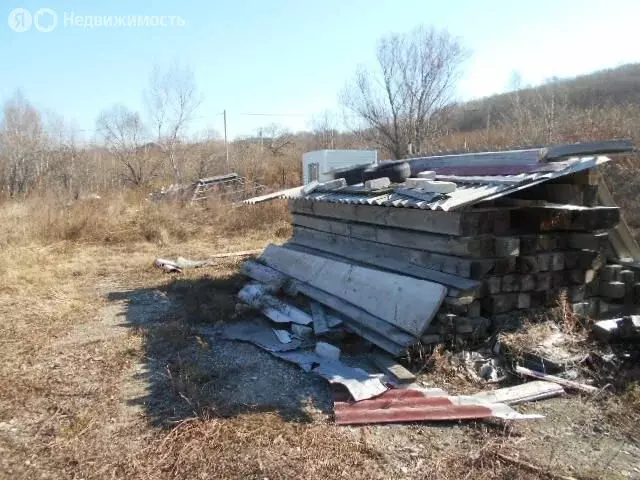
{"x":73,"y":403}
{"x":130,"y":217}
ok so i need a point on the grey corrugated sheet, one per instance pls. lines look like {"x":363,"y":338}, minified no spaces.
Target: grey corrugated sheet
{"x":470,"y":189}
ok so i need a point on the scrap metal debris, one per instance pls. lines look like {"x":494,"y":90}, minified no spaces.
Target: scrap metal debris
{"x":411,"y":405}
{"x":626,"y":328}
{"x":481,"y":366}
{"x":260,"y":333}
{"x":256,"y":295}
{"x":180,"y":264}
{"x":231,"y":187}
{"x":570,"y":384}
{"x":411,"y":262}
{"x":526,"y":392}
{"x":360,"y":384}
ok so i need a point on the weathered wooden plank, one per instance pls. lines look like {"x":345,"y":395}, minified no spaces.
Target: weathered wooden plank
{"x":510,"y":283}
{"x":585,"y":259}
{"x":622,"y":241}
{"x":501,"y":266}
{"x":523,"y":300}
{"x":614,"y":290}
{"x":406,"y":302}
{"x":560,"y":381}
{"x":548,"y":298}
{"x":462,"y":286}
{"x":577,"y":293}
{"x":431,"y":339}
{"x":551,"y":261}
{"x":392,"y":368}
{"x":590,"y":195}
{"x":527,"y":264}
{"x":506,"y":246}
{"x":527,"y":282}
{"x":537,"y":243}
{"x":563,"y":193}
{"x":543,"y":281}
{"x":595,"y":218}
{"x":636,"y":293}
{"x":590,"y":176}
{"x":382,"y":341}
{"x":471,"y":310}
{"x":492,"y":286}
{"x":478,"y":247}
{"x":610,"y":273}
{"x":500,"y":303}
{"x":463,"y":267}
{"x":628,"y":277}
{"x":564,"y":217}
{"x":472,"y":326}
{"x":580,"y":276}
{"x":447,"y":223}
{"x":543,"y":261}
{"x":559,"y":278}
{"x":596,"y":242}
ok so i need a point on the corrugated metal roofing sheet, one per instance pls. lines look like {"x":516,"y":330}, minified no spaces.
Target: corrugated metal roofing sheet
{"x":470,"y":189}
{"x":412,"y":405}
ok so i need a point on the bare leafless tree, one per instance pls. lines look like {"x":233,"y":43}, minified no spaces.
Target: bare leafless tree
{"x":324,"y":130}
{"x":275,"y":139}
{"x":535,"y":114}
{"x":172,"y":99}
{"x":125,"y":137}
{"x":22,"y":145}
{"x":415,"y":78}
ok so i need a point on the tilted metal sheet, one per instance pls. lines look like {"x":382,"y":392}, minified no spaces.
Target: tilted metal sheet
{"x":470,"y":190}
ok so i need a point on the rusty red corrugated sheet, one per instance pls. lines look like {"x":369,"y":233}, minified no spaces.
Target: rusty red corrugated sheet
{"x":406,"y":406}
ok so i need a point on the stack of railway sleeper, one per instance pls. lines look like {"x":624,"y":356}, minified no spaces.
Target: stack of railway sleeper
{"x":400,"y":265}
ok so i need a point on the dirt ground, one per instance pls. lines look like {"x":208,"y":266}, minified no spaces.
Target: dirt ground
{"x":103,"y":374}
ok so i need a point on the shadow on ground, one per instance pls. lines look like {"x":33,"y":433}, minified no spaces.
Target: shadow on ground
{"x":189,"y":375}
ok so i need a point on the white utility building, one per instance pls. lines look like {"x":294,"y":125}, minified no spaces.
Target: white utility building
{"x":319,"y":164}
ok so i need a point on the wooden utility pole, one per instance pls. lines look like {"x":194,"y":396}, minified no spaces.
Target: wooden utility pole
{"x":226,"y":145}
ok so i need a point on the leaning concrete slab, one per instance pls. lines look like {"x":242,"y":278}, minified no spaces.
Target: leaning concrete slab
{"x":408,"y":303}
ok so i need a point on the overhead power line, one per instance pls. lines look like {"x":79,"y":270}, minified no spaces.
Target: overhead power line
{"x":274,"y":114}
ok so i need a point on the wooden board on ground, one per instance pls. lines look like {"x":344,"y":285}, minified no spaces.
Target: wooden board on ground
{"x":403,"y":301}
{"x":392,"y":368}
